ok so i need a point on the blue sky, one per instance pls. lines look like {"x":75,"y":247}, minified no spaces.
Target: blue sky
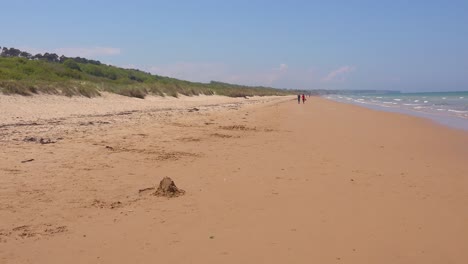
{"x":400,"y":45}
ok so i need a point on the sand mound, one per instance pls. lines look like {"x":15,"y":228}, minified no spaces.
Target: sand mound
{"x":167,"y":188}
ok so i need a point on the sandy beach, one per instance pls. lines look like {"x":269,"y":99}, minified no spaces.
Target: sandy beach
{"x":266,"y":181}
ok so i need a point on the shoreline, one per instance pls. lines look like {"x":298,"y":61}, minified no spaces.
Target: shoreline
{"x":452,"y":121}
{"x":271,"y":181}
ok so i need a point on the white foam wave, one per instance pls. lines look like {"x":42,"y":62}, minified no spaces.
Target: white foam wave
{"x":458,"y":111}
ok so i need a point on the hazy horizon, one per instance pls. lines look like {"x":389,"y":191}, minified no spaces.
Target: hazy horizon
{"x":420,"y":46}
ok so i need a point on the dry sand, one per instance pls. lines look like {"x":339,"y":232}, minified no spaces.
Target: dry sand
{"x":266,"y":181}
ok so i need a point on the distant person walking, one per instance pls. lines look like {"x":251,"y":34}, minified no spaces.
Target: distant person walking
{"x":298,"y":98}
{"x":303,"y":99}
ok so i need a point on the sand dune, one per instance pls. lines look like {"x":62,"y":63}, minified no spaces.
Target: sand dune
{"x":266,"y":181}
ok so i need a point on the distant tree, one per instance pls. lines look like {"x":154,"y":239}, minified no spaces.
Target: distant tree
{"x":86,"y":61}
{"x":25,"y":54}
{"x":80,"y":60}
{"x":62,"y":59}
{"x":95,"y":62}
{"x":52,"y":57}
{"x":12,"y":52}
{"x":6,"y":52}
{"x":37,"y":56}
{"x":71,"y":64}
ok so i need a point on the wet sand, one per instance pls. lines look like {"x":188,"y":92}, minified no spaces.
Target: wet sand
{"x":266,"y":181}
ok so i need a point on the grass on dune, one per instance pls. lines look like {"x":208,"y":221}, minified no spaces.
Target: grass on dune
{"x":72,"y":76}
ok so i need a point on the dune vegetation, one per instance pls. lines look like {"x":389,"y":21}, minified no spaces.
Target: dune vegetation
{"x":26,"y":74}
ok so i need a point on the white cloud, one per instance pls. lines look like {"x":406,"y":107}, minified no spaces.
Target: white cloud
{"x":339,"y":74}
{"x":283,"y":67}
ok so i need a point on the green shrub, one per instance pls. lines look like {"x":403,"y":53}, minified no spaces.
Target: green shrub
{"x":93,"y":70}
{"x":71,"y":64}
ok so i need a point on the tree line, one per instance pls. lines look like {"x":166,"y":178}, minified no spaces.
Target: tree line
{"x":51,"y":57}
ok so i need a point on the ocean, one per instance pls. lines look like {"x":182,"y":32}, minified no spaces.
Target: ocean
{"x":447,"y":108}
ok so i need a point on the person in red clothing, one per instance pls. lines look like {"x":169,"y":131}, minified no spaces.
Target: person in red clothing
{"x":303,"y":98}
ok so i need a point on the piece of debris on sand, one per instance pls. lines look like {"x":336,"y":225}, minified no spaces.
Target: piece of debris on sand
{"x":41,"y":140}
{"x":145,"y":190}
{"x":167,"y":188}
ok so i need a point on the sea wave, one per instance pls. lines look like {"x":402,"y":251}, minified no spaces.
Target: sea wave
{"x":444,"y":108}
{"x":457,"y":111}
